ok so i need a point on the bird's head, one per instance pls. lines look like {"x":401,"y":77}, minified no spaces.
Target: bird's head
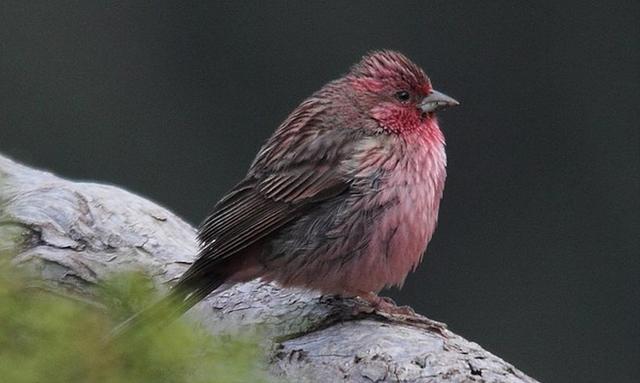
{"x":396,"y":92}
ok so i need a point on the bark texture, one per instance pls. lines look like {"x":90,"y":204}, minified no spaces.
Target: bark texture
{"x":75,"y":234}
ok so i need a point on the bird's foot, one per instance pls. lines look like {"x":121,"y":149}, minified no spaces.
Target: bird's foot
{"x":385,"y":307}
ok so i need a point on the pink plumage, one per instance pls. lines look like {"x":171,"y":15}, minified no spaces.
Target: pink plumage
{"x":403,"y":214}
{"x":342,"y":198}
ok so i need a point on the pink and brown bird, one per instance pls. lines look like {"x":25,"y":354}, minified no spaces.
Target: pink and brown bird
{"x":343,"y":198}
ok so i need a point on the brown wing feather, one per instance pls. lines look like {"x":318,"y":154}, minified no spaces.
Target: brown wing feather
{"x":297,"y":168}
{"x":255,"y":209}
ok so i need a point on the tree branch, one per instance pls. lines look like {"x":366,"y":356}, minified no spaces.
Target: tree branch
{"x":76,"y":234}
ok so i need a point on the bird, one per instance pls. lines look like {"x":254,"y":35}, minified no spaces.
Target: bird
{"x":343,"y":198}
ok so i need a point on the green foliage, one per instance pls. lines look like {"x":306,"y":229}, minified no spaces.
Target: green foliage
{"x":12,"y":236}
{"x":50,"y":338}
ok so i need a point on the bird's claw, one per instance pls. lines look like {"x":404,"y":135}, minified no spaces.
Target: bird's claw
{"x":386,"y":308}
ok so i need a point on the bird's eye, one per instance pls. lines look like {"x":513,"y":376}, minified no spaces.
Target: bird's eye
{"x":402,"y":96}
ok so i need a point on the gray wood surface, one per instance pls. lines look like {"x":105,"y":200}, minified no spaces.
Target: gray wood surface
{"x":75,"y":234}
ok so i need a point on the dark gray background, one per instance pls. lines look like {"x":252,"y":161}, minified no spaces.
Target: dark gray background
{"x":537,"y":254}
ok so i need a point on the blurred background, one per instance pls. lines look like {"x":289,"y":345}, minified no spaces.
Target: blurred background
{"x":537,"y":254}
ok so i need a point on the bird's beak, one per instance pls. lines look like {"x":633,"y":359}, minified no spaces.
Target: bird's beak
{"x":437,"y":101}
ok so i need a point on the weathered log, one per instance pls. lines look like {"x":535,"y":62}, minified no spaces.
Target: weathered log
{"x":76,"y":234}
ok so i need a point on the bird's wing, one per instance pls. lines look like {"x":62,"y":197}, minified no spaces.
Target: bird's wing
{"x":268,"y":199}
{"x":259,"y":207}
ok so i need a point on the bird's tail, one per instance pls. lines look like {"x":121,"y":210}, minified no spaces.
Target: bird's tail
{"x":184,"y":295}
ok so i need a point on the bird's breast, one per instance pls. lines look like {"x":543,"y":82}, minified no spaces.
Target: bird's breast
{"x":412,"y":189}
